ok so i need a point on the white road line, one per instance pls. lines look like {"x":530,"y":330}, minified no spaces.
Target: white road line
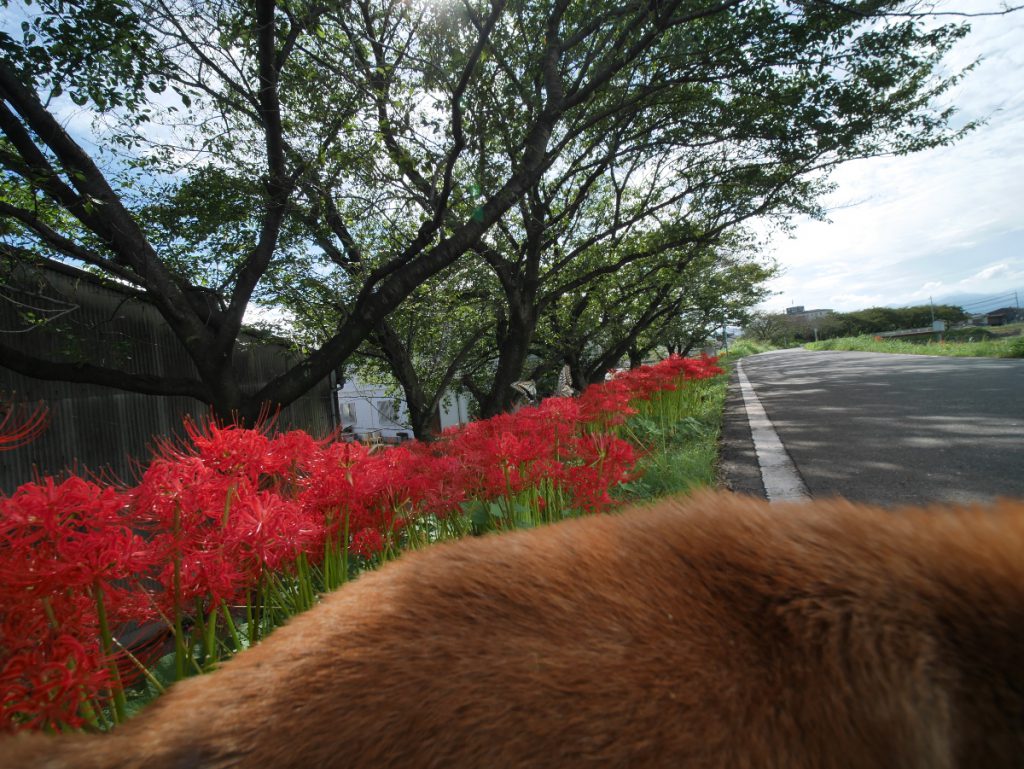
{"x":779,"y":474}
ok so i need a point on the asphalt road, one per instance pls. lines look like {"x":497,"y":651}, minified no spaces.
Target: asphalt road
{"x":886,"y":429}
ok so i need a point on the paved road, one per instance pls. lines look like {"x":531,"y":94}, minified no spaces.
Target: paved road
{"x":887,"y":429}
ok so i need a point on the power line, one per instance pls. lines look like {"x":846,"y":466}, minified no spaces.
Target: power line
{"x":990,"y":299}
{"x":1009,"y":297}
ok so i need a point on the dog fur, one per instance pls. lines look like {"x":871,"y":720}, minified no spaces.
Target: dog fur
{"x":714,"y":631}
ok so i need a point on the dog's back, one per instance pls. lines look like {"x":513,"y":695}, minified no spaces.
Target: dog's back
{"x":711,"y":632}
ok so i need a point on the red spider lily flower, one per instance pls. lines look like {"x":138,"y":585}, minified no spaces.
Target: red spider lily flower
{"x":560,"y":411}
{"x":205,"y":578}
{"x":349,"y":487}
{"x":231,"y":450}
{"x":607,"y":462}
{"x":61,"y":545}
{"x":267,"y":532}
{"x":217,"y":534}
{"x":367,"y":542}
{"x":43,"y":687}
{"x":74,"y":534}
{"x":288,"y":456}
{"x":432,"y":478}
{"x":607,"y":403}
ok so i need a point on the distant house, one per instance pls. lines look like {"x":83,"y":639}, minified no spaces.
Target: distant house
{"x":374,"y":412}
{"x":1000,"y":317}
{"x":798,"y":313}
{"x":1003,"y":316}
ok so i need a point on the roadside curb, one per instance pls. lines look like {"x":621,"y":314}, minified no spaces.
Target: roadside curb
{"x":738,"y":467}
{"x":779,"y":474}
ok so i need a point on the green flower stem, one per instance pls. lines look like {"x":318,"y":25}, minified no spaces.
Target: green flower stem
{"x":210,"y":637}
{"x":142,"y":668}
{"x":120,"y":703}
{"x":179,"y":628}
{"x":230,"y":623}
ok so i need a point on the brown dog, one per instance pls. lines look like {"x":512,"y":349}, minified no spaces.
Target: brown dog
{"x":716,"y":631}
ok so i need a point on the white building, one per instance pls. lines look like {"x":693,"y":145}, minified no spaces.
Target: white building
{"x":800,"y":314}
{"x":371,"y":412}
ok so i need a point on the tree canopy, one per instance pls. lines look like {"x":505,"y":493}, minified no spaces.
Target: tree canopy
{"x":355,"y":161}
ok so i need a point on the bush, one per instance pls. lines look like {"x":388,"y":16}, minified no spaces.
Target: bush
{"x":743,"y":347}
{"x":969,"y":335}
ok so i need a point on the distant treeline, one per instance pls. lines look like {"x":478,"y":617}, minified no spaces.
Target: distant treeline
{"x":782,"y":328}
{"x":876,"y":319}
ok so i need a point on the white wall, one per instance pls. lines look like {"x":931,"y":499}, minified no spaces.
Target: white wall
{"x":366,"y":408}
{"x":454,"y":410}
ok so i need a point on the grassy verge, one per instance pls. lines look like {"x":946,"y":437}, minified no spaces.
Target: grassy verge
{"x":237,"y":530}
{"x":1006,"y":347}
{"x":741,"y":348}
{"x":682,"y":456}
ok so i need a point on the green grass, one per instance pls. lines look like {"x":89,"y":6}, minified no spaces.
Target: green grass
{"x":970,"y":334}
{"x":1010,"y":329}
{"x":683,"y":456}
{"x":1003,"y":347}
{"x":741,"y":348}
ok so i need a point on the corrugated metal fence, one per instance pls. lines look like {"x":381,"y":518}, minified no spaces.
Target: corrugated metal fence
{"x":102,"y":430}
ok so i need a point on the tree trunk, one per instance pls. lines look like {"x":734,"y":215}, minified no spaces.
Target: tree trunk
{"x":579,"y":376}
{"x":399,"y":359}
{"x":513,"y":349}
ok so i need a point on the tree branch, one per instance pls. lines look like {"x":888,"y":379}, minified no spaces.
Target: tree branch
{"x":279,"y":186}
{"x":108,"y":219}
{"x":87,"y":373}
{"x":58,"y":242}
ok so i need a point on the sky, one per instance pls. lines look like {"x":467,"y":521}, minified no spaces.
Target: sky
{"x":945,"y":223}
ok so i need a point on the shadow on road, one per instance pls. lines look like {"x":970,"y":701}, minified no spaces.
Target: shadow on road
{"x":894,"y":429}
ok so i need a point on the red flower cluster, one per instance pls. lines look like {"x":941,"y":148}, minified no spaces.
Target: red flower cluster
{"x":210,"y":521}
{"x":612,"y":402}
{"x":62,"y":547}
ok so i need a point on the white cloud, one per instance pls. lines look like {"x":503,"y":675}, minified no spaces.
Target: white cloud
{"x":995,"y":271}
{"x":903,"y":228}
{"x":928,"y":289}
